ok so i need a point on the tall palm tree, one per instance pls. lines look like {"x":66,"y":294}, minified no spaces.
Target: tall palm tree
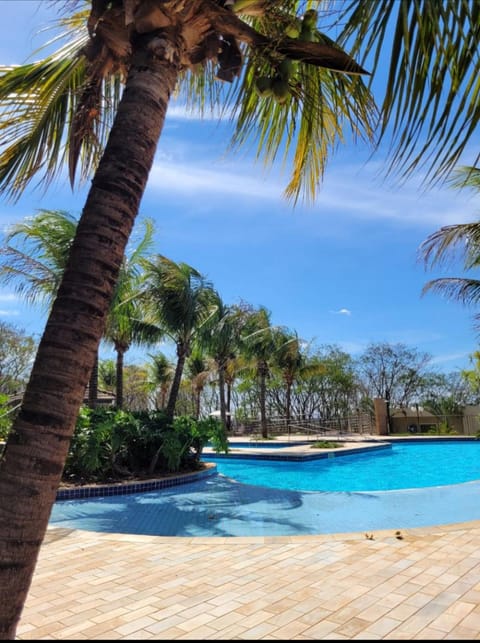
{"x":220,"y":338}
{"x":36,"y":265}
{"x":101,"y":102}
{"x":199,"y":374}
{"x":125,"y":325}
{"x":451,"y":242}
{"x":289,"y":358}
{"x":161,"y":376}
{"x":258,"y":345}
{"x":178,"y":299}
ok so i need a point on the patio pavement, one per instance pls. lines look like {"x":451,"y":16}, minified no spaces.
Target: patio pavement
{"x":421,"y":583}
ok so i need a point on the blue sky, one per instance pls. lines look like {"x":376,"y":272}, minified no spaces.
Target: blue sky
{"x":342,"y":271}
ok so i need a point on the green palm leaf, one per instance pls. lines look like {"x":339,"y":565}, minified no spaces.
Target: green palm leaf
{"x":431,"y":99}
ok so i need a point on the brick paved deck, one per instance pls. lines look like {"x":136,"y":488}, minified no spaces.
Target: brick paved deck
{"x":420,"y":584}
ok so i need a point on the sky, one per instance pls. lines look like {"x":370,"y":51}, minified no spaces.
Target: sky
{"x":343,"y":271}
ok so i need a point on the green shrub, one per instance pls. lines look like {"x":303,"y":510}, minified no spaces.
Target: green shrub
{"x":111,"y":444}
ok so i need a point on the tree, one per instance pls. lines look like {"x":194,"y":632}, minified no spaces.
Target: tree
{"x":125,"y":325}
{"x":393,"y":372}
{"x":289,"y":359}
{"x":36,"y":265}
{"x":459,"y":241}
{"x":73,"y":106}
{"x":258,"y":344}
{"x":177,"y":299}
{"x":161,"y":375}
{"x":220,"y":337}
{"x":17,"y":351}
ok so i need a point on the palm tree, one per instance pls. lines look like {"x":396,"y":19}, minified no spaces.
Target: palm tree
{"x":161,"y":375}
{"x":178,"y":299}
{"x":450,"y":242}
{"x":258,"y":345}
{"x":102,"y":100}
{"x":125,"y":325}
{"x":429,"y":51}
{"x":220,"y":338}
{"x":289,"y":358}
{"x":36,"y":266}
{"x":199,"y":374}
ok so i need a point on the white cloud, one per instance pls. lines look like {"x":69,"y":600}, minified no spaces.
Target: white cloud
{"x":342,"y":311}
{"x":194,"y":179}
{"x":9,"y":313}
{"x":8,"y":297}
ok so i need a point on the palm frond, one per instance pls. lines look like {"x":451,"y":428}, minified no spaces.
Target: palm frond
{"x":39,"y":127}
{"x":466,"y":291}
{"x":452,"y":242}
{"x":432,"y":94}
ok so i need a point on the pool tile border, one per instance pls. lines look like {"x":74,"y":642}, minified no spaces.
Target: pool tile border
{"x":120,"y":489}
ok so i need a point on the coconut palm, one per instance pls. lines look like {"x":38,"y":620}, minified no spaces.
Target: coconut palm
{"x":289,"y":358}
{"x":459,"y":241}
{"x":258,"y":345}
{"x":199,"y":373}
{"x":428,"y":51}
{"x":125,"y":325}
{"x":35,"y":266}
{"x":161,"y":376}
{"x":220,"y":339}
{"x":100,"y":104}
{"x":178,"y":299}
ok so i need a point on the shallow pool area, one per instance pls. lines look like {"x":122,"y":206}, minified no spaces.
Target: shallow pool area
{"x":219,"y":505}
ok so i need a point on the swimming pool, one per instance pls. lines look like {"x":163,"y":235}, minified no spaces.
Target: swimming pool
{"x":401,"y":466}
{"x":221,"y":506}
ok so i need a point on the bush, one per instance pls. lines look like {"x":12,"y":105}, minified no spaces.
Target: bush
{"x":110,"y":444}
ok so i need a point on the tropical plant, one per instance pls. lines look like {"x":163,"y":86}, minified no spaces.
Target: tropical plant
{"x":452,"y":242}
{"x":161,"y":376}
{"x":125,"y":325}
{"x":219,"y":337}
{"x":289,"y":358}
{"x":177,"y":299}
{"x":258,"y":345}
{"x":113,"y":81}
{"x":199,"y":373}
{"x":17,"y":350}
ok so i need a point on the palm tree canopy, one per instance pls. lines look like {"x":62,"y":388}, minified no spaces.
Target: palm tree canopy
{"x":60,"y":109}
{"x":177,"y":297}
{"x":456,"y":242}
{"x":431,"y":99}
{"x":36,"y":253}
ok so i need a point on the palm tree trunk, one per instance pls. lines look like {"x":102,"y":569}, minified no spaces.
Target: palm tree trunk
{"x":119,"y":379}
{"x":288,"y":404}
{"x":93,"y":385}
{"x":177,"y":378}
{"x":33,"y":460}
{"x":221,"y":389}
{"x":263,"y":397}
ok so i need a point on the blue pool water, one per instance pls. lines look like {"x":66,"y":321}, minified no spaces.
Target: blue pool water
{"x":401,"y":466}
{"x":221,"y":506}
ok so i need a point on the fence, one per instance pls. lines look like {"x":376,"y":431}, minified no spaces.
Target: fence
{"x":360,"y":423}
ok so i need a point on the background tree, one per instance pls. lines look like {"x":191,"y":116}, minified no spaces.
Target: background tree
{"x":17,"y":350}
{"x":125,"y":325}
{"x":177,"y":299}
{"x":161,"y":375}
{"x":220,"y":338}
{"x":456,"y":242}
{"x":393,"y":372}
{"x":258,"y":345}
